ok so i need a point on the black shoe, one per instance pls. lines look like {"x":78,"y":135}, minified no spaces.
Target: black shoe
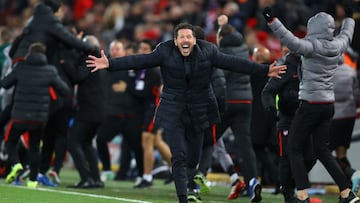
{"x":83,"y":184}
{"x":144,"y":184}
{"x":255,"y":190}
{"x":307,"y":200}
{"x":277,"y":189}
{"x":99,"y":184}
{"x":352,"y":198}
{"x":292,"y":200}
{"x":169,"y":179}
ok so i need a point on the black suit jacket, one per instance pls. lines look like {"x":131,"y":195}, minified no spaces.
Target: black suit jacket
{"x":193,"y":93}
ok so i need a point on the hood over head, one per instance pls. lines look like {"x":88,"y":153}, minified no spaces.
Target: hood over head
{"x":321,"y":26}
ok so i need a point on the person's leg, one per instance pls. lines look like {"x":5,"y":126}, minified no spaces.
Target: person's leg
{"x":193,"y":138}
{"x":237,"y":184}
{"x":204,"y":165}
{"x":132,"y":133}
{"x":90,"y":154}
{"x":34,"y":151}
{"x":125,"y":160}
{"x":48,"y":145}
{"x":320,"y":140}
{"x":11,"y":139}
{"x":162,"y":147}
{"x":177,"y":144}
{"x":75,"y":139}
{"x":147,"y":141}
{"x":340,"y":139}
{"x":164,"y":150}
{"x":107,"y":131}
{"x":60,"y":139}
{"x":286,"y":180}
{"x":206,"y":159}
{"x":241,"y":128}
{"x":47,"y":149}
{"x":302,"y":125}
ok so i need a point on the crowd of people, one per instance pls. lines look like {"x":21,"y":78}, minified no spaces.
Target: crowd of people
{"x":178,"y":76}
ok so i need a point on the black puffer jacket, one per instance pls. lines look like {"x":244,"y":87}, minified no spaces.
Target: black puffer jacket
{"x":218,"y":82}
{"x":237,"y":84}
{"x":287,"y":88}
{"x":193,"y":95}
{"x":33,"y":78}
{"x":46,"y":28}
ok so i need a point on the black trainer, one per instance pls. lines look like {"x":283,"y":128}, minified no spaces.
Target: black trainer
{"x":352,"y":198}
{"x":169,"y":179}
{"x":144,"y":184}
{"x":83,"y":184}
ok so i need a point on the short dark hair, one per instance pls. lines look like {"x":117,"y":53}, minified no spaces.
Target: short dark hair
{"x":225,"y":29}
{"x":183,"y":26}
{"x":53,"y":4}
{"x":150,"y":42}
{"x":199,"y":32}
{"x":37,"y":47}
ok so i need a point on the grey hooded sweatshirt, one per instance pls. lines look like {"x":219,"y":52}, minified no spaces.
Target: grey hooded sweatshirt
{"x":320,"y":52}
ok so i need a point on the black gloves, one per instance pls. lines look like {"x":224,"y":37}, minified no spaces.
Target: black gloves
{"x":267,"y":14}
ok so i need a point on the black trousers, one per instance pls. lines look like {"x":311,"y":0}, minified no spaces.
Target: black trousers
{"x":55,"y":139}
{"x":238,"y":118}
{"x":286,"y":178}
{"x":186,"y":145}
{"x":82,"y":150}
{"x":312,"y":121}
{"x":15,"y":130}
{"x":130,"y":128}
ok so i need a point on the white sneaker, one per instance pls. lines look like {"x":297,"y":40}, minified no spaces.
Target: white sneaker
{"x":355,"y":179}
{"x":107,"y":175}
{"x":54,"y":176}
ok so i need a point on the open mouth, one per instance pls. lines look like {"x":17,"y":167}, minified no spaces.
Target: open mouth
{"x":186,"y":48}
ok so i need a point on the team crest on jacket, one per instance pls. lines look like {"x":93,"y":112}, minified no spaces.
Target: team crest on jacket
{"x":285,"y":132}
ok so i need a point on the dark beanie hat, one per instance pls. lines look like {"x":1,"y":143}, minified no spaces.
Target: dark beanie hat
{"x":53,"y":4}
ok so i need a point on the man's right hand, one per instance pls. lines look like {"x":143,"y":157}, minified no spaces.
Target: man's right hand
{"x":97,"y":63}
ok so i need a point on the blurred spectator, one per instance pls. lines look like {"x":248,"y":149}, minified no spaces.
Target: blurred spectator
{"x":264,"y":138}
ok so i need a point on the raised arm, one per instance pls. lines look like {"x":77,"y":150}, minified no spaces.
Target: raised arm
{"x":295,"y":44}
{"x":139,"y":61}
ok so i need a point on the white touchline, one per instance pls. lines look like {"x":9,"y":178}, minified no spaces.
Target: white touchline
{"x":88,"y":195}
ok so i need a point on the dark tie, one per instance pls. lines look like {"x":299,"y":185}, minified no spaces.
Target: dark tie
{"x":187,"y":67}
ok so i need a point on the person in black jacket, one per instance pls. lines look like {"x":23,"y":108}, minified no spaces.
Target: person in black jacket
{"x":124,"y":113}
{"x":286,"y":89}
{"x":30,"y":111}
{"x":188,"y":104}
{"x":45,"y":27}
{"x":147,"y":87}
{"x":61,"y":109}
{"x":264,"y":138}
{"x":238,"y":115}
{"x":87,"y":120}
